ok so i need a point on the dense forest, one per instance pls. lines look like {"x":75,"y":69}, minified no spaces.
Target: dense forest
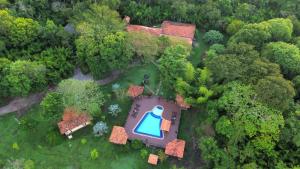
{"x":245,"y":82}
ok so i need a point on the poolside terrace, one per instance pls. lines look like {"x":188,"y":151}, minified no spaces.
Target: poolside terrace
{"x":142,"y":105}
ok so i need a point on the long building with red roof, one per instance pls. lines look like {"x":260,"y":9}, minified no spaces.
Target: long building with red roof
{"x":183,"y":31}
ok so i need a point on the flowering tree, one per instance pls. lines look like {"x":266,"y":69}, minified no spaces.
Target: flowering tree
{"x":100,"y":128}
{"x":114,"y":109}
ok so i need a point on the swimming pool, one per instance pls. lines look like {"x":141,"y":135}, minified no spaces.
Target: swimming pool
{"x":150,"y":123}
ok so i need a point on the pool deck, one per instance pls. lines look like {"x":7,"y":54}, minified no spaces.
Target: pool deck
{"x":146,"y":104}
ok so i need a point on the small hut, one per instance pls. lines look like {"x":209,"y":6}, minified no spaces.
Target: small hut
{"x":118,"y":135}
{"x":135,"y":91}
{"x":153,"y":159}
{"x":175,"y":148}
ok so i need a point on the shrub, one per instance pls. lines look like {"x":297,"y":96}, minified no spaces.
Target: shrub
{"x":53,"y":138}
{"x":114,"y":109}
{"x":15,"y":146}
{"x":213,"y":36}
{"x":144,"y":153}
{"x":83,"y":141}
{"x":29,"y":164}
{"x":218,"y":48}
{"x":162,"y":156}
{"x":100,"y":128}
{"x":136,"y":144}
{"x":94,"y":154}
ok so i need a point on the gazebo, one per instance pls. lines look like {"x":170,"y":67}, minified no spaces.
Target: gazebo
{"x":118,"y":135}
{"x":73,"y":121}
{"x":180,"y":101}
{"x":175,"y":148}
{"x":153,"y":159}
{"x":135,"y":91}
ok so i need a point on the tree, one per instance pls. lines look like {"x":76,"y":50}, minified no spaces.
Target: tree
{"x":234,"y":26}
{"x":281,"y":29}
{"x":84,"y":96}
{"x":284,"y":54}
{"x":218,"y":48}
{"x":296,"y":82}
{"x":144,"y":44}
{"x":53,"y":106}
{"x":100,"y":128}
{"x":93,"y":25}
{"x":58,"y":62}
{"x":213,"y":36}
{"x":24,"y":77}
{"x":275,"y":92}
{"x":248,"y":126}
{"x":115,"y":52}
{"x":173,"y":65}
{"x":23,"y":31}
{"x":254,"y":34}
{"x":4,"y":66}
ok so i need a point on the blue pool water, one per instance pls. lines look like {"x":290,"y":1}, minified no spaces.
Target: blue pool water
{"x":150,"y":123}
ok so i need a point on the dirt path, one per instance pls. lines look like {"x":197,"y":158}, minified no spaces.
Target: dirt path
{"x":20,"y":105}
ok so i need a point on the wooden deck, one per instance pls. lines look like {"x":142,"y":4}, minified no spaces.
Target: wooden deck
{"x":146,"y":104}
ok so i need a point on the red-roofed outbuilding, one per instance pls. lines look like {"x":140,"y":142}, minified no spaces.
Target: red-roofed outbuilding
{"x":73,"y":121}
{"x":135,"y":91}
{"x":182,"y":31}
{"x":175,"y":148}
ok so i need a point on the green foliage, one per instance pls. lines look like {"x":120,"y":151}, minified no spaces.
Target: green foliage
{"x":58,"y":63}
{"x":284,"y":54}
{"x":94,"y":154}
{"x":15,"y":146}
{"x":218,"y":48}
{"x":94,"y":25}
{"x":144,"y":153}
{"x":23,"y":31}
{"x":85,"y":96}
{"x":254,"y":34}
{"x":234,"y":26}
{"x":281,"y":29}
{"x":145,"y":45}
{"x":275,"y":92}
{"x":24,"y":77}
{"x":137,"y":144}
{"x":114,"y":52}
{"x":53,"y":106}
{"x":213,"y":36}
{"x":83,"y":141}
{"x":173,"y":65}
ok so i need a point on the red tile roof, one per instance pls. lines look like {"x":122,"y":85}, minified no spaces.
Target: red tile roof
{"x":183,"y":31}
{"x":180,"y":101}
{"x":135,"y":91}
{"x":178,"y":29}
{"x":72,"y":120}
{"x":153,"y":159}
{"x":139,"y":28}
{"x":118,"y":135}
{"x":175,"y":148}
{"x":165,"y":125}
